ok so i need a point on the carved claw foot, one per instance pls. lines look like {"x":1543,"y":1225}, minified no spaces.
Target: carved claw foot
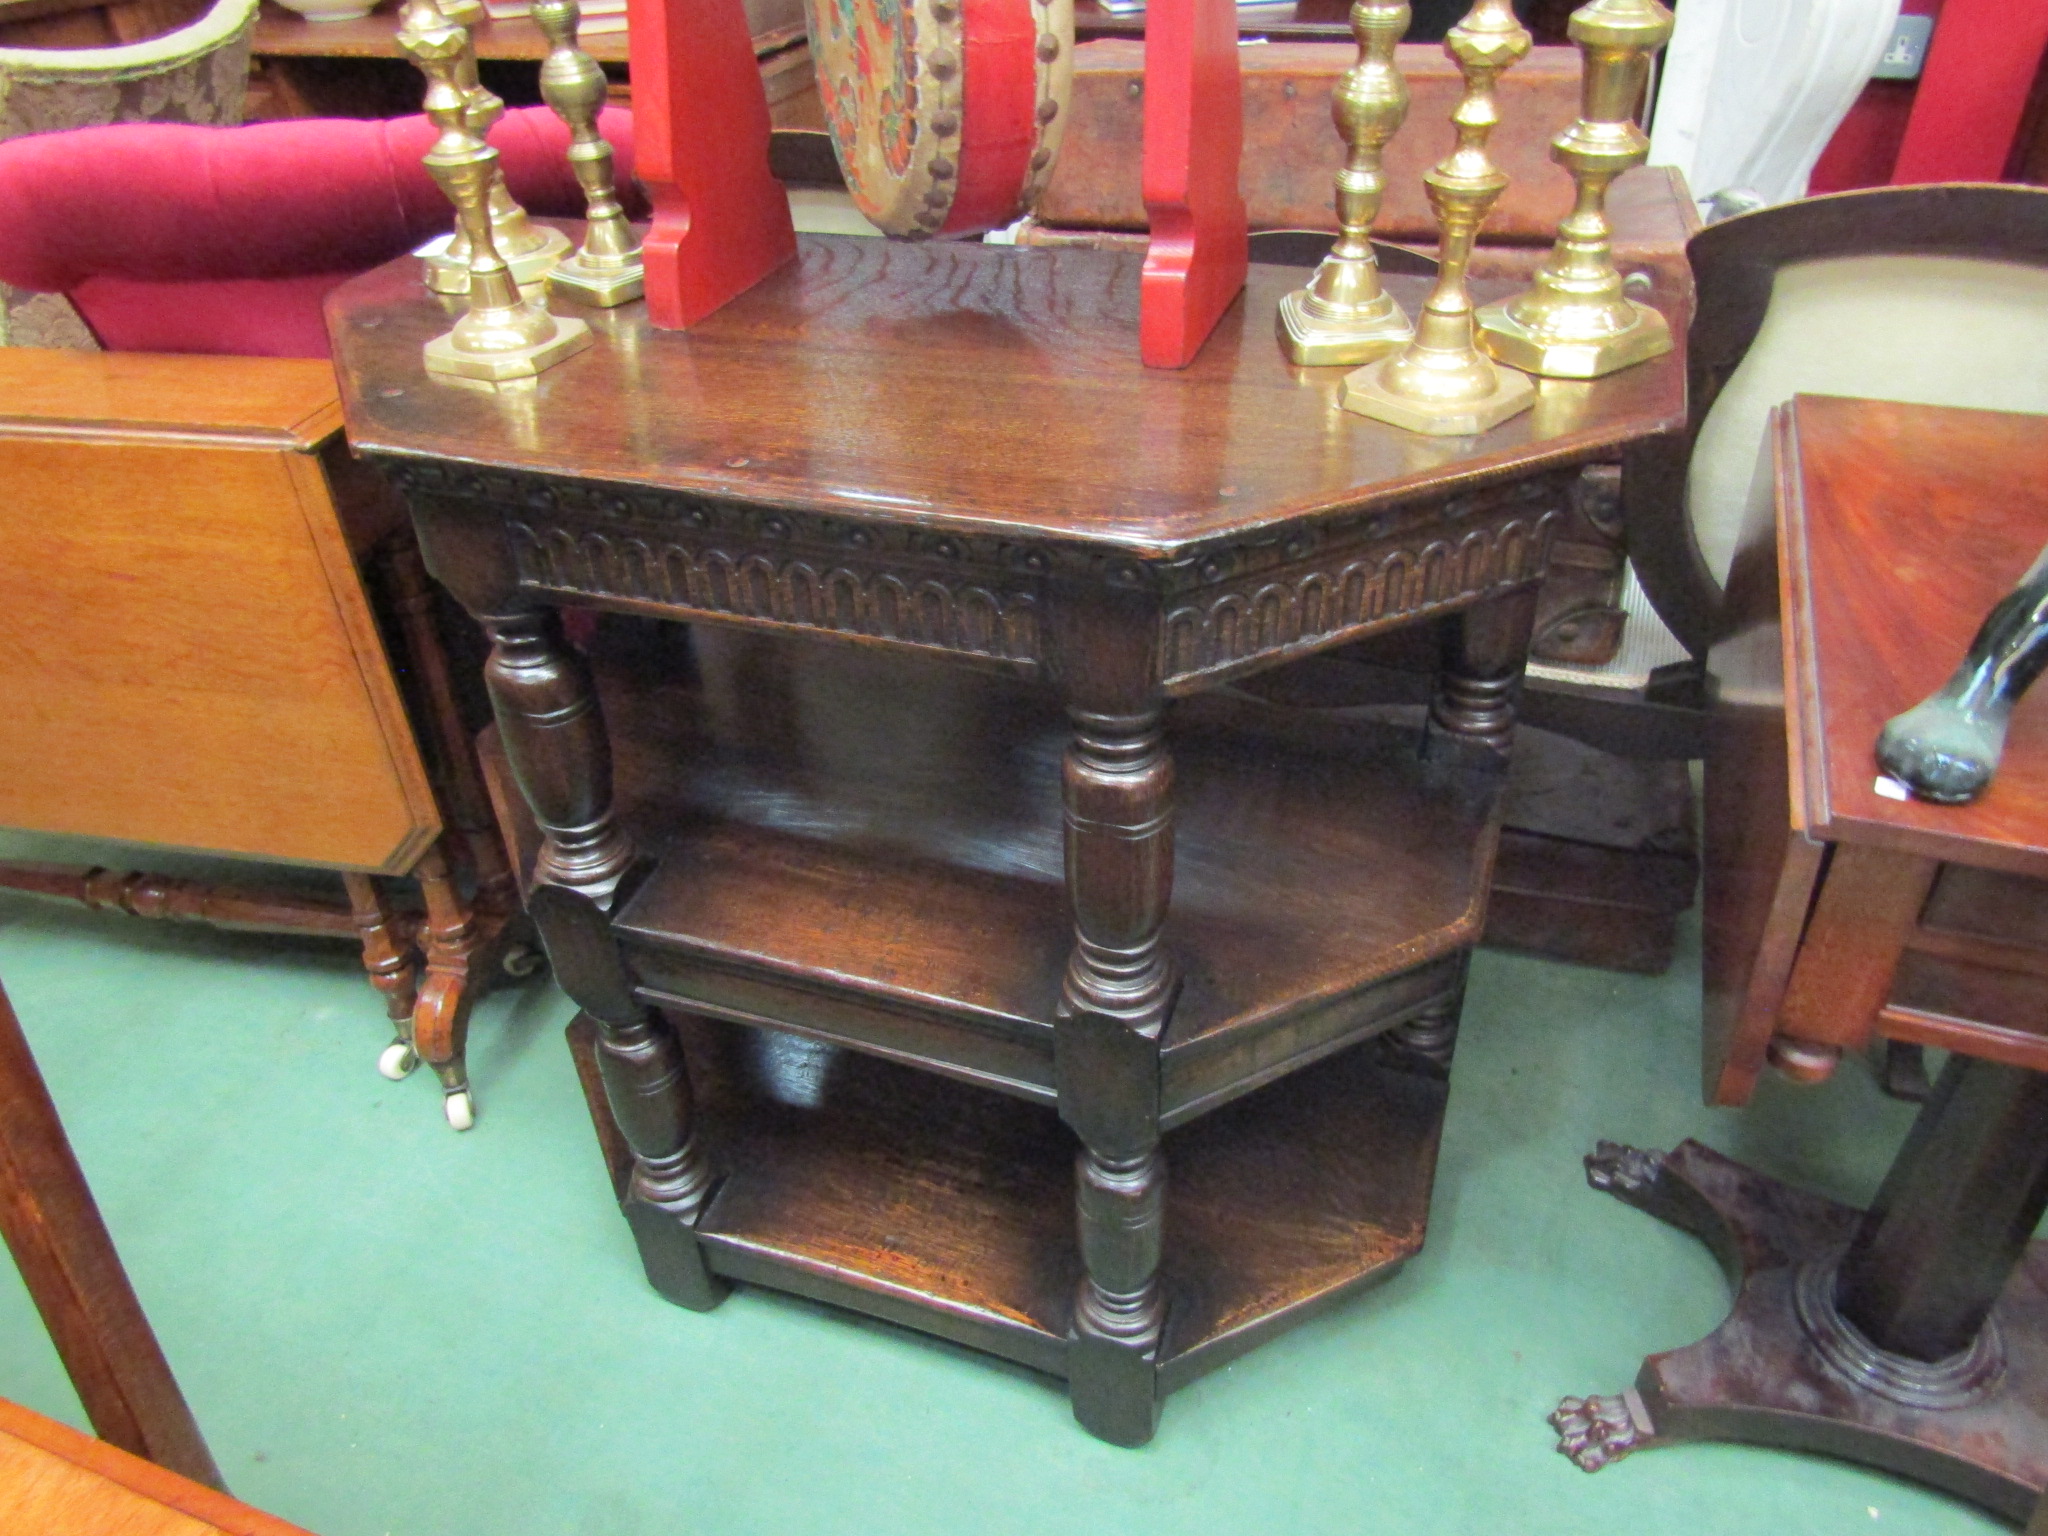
{"x":1941,"y":751}
{"x":398,"y":1060}
{"x":1627,"y":1173}
{"x":1596,"y":1430}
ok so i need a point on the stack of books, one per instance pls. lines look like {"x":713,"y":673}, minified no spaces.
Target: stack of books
{"x":598,"y":15}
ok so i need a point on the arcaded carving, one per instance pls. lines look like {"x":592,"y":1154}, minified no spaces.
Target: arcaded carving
{"x":1319,"y":602}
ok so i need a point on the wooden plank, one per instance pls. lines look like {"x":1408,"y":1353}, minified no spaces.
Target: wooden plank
{"x":197,"y":666}
{"x":55,"y":1481}
{"x":1916,"y":520}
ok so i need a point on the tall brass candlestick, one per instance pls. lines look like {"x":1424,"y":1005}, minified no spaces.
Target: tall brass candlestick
{"x":1441,"y":383}
{"x":530,"y":249}
{"x":501,"y":335}
{"x":1343,"y":315}
{"x":606,"y":268}
{"x":1575,"y":323}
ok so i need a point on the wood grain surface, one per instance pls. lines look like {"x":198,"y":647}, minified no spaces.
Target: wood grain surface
{"x":1906,"y":523}
{"x":56,"y":1482}
{"x":191,"y":661}
{"x":960,"y":386}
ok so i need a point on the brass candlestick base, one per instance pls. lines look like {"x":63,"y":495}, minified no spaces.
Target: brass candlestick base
{"x":606,"y":269}
{"x":1441,"y":384}
{"x":1574,"y":322}
{"x":503,"y":335}
{"x":497,"y":350}
{"x":1449,"y":405}
{"x":1557,"y":348}
{"x":1343,"y":315}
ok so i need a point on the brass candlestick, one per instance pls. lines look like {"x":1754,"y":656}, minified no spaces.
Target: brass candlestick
{"x":1343,"y":315}
{"x":606,"y":268}
{"x":1441,"y":383}
{"x":1575,"y":323}
{"x":501,"y":335}
{"x":530,"y":249}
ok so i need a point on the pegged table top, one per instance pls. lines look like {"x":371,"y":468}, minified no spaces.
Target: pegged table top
{"x":962,"y":387}
{"x":1900,"y":527}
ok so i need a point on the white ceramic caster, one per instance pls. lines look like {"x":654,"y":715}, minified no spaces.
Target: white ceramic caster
{"x":397,"y":1061}
{"x":460,"y":1109}
{"x":523,"y":960}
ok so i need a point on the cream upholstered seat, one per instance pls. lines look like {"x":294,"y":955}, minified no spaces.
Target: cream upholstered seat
{"x":1930,"y":295}
{"x":198,"y":73}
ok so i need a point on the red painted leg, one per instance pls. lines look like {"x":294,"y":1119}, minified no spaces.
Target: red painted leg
{"x":1194,"y":137}
{"x":700,"y":119}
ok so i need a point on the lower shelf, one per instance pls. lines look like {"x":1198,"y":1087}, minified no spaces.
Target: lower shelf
{"x":949,"y":1208}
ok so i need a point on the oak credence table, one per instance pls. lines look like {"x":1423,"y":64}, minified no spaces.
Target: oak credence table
{"x":873,"y":935}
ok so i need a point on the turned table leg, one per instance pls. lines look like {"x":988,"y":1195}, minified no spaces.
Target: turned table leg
{"x":555,"y":742}
{"x":389,"y":957}
{"x":1117,"y":993}
{"x":440,"y":1032}
{"x":1485,"y":650}
{"x":554,"y":737}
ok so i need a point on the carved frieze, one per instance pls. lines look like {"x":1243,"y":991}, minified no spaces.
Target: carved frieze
{"x":1225,"y":608}
{"x":800,"y":589}
{"x":1346,"y":592}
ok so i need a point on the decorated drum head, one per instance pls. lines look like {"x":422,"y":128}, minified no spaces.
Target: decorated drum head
{"x":946,"y":114}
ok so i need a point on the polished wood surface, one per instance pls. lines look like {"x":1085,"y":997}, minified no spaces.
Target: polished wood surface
{"x":183,"y":600}
{"x":1898,"y":526}
{"x":56,"y":1482}
{"x":1921,"y":518}
{"x":971,"y":388}
{"x":68,"y":1263}
{"x":1291,"y":153}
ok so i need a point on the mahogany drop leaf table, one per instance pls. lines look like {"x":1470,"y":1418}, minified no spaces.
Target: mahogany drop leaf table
{"x":936,"y":883}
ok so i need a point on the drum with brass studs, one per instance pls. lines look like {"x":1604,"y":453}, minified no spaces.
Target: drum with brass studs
{"x":946,"y":114}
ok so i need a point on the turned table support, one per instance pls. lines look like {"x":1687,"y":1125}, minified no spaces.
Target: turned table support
{"x":1117,"y":785}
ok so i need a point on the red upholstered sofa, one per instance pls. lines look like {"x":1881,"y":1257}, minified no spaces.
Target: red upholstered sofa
{"x":170,"y":238}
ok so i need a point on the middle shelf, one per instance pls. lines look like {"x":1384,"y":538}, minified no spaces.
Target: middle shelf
{"x":866,"y":848}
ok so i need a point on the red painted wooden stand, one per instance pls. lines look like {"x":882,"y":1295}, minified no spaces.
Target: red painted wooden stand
{"x":1194,"y":137}
{"x":700,"y":119}
{"x":721,"y":222}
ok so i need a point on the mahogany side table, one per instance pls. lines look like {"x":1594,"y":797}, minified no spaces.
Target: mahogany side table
{"x":896,"y":950}
{"x":1912,"y":1336}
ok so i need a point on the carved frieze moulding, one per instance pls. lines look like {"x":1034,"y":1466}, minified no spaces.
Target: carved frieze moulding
{"x":1348,"y":593}
{"x":800,"y":589}
{"x":1225,"y":607}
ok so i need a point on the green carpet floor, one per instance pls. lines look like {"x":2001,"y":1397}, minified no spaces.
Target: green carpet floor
{"x":385,"y":1327}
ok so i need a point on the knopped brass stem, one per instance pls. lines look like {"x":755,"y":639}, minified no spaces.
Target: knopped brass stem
{"x":606,"y":269}
{"x":501,"y":335}
{"x":1343,"y":315}
{"x":1574,"y":322}
{"x":1441,"y":383}
{"x":530,"y":249}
